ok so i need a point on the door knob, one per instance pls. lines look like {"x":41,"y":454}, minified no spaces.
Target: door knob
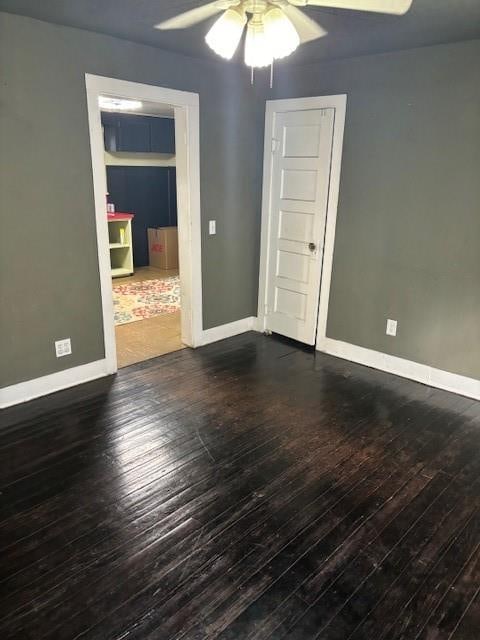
{"x":312,"y":246}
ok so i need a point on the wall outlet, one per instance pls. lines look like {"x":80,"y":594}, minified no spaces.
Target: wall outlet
{"x":63,"y":347}
{"x":212,"y":227}
{"x":391,"y":327}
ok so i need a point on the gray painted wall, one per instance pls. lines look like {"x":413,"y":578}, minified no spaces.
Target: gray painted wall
{"x":48,"y":263}
{"x":408,"y":230}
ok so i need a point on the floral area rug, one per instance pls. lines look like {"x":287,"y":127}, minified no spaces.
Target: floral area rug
{"x":139,"y":300}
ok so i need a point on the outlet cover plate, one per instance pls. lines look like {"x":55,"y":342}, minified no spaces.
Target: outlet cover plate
{"x":212,"y":227}
{"x":391,"y":327}
{"x":63,"y":347}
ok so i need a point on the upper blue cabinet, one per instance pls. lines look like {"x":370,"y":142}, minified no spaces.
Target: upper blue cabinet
{"x":133,"y":134}
{"x":138,"y":134}
{"x":162,"y":135}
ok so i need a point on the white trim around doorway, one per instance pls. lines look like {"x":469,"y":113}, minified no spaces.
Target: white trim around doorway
{"x":187,"y":136}
{"x":339,"y":104}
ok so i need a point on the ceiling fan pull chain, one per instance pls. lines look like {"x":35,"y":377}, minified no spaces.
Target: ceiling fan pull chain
{"x":271,"y":75}
{"x":252,"y":75}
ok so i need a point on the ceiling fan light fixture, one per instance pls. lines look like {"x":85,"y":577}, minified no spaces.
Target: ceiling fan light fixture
{"x":258,"y":52}
{"x":226,"y":32}
{"x":280,"y":33}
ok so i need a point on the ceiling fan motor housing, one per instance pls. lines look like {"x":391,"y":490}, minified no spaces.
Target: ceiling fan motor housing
{"x":227,"y":4}
{"x":255,"y":6}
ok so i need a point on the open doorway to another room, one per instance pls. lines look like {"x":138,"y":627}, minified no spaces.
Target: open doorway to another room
{"x":140,"y":166}
{"x":177,"y":151}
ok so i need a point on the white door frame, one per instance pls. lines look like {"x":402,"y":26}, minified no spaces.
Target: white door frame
{"x":339,"y":104}
{"x":187,"y":136}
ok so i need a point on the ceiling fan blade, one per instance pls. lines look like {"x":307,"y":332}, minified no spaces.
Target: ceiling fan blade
{"x":189,"y":18}
{"x":398,"y":7}
{"x":306,"y":28}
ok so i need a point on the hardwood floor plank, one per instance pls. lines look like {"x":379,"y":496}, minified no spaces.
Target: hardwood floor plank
{"x":410,"y":619}
{"x":362,"y":584}
{"x":469,"y":623}
{"x":208,"y":417}
{"x":221,"y":589}
{"x":254,"y":499}
{"x":47,"y":514}
{"x":394,"y":586}
{"x":143,"y":598}
{"x":125,"y":409}
{"x":363,"y":555}
{"x":232,"y":555}
{"x":329,"y":547}
{"x":249,"y":489}
{"x":456,"y":603}
{"x":228,"y":487}
{"x":354,"y":575}
{"x":407,"y":564}
{"x":349,"y":450}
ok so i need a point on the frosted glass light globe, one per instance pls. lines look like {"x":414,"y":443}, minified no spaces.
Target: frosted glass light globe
{"x":280,"y":33}
{"x":258,"y":52}
{"x":226,"y":32}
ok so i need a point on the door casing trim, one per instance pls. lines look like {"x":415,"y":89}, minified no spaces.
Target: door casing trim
{"x":187,"y":135}
{"x":339,"y":104}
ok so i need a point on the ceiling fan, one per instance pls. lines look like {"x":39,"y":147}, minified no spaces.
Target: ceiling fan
{"x":275,"y":28}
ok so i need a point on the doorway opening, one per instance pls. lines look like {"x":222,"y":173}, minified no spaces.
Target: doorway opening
{"x":145,"y":161}
{"x":139,"y":142}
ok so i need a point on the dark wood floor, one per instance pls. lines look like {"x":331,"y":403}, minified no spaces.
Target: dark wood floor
{"x":249,"y":489}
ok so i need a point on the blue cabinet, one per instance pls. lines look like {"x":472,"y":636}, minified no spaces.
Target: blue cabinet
{"x":162,"y":135}
{"x":133,"y":135}
{"x":138,"y":134}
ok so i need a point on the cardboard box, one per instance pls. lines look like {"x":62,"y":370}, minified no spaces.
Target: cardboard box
{"x":163,"y":247}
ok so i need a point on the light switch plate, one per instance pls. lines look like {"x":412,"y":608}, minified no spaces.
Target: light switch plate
{"x":63,"y":347}
{"x":391,"y":327}
{"x":212,"y":227}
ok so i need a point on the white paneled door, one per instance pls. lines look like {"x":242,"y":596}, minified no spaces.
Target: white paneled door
{"x":298,"y":199}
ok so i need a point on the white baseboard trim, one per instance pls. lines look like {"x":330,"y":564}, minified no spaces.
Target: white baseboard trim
{"x":24,"y":391}
{"x":405,"y":368}
{"x":226,"y":331}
